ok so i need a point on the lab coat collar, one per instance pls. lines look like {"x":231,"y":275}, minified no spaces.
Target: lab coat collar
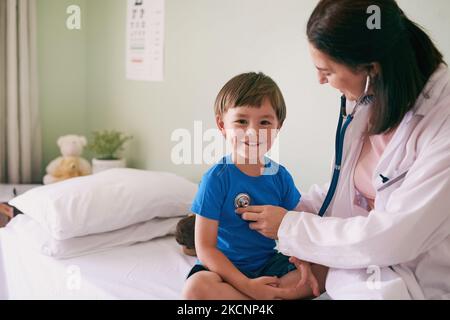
{"x":432,"y":91}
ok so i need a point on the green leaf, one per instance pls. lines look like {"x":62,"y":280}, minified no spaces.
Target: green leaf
{"x":107,"y":144}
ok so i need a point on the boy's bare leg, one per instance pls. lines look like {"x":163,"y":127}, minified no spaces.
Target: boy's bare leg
{"x":206,"y":285}
{"x":291,"y":280}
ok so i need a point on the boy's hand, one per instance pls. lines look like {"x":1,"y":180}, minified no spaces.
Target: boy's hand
{"x":263,"y":288}
{"x":307,"y":277}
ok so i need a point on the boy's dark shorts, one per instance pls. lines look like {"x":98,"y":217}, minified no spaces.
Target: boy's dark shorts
{"x":277,"y":266}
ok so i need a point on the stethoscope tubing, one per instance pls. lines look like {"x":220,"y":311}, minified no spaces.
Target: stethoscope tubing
{"x":339,"y":145}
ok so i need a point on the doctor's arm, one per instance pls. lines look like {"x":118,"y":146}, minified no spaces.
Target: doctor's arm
{"x":416,"y":218}
{"x":313,"y":199}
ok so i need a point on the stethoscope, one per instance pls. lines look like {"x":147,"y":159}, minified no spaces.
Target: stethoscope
{"x":243,"y":200}
{"x":339,"y":144}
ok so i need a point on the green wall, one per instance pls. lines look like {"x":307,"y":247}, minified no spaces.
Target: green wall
{"x":62,"y":74}
{"x":83,"y":85}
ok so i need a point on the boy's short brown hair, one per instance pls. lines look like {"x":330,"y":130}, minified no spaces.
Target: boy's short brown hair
{"x":250,"y":90}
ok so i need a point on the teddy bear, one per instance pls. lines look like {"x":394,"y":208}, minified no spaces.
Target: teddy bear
{"x":70,"y":164}
{"x":185,"y":235}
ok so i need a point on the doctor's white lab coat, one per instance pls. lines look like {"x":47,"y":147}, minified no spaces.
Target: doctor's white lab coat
{"x":401,"y":249}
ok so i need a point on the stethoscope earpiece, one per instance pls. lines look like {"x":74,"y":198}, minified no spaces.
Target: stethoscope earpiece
{"x":366,"y":90}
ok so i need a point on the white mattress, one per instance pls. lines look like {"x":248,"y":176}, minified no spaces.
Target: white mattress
{"x":153,"y":270}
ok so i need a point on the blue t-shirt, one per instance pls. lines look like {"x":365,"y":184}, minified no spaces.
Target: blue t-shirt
{"x":247,"y":249}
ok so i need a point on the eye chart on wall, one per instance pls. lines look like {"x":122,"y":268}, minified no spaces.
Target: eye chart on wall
{"x":145,"y":40}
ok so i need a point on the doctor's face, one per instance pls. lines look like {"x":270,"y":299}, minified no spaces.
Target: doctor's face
{"x":250,"y":131}
{"x":349,"y":82}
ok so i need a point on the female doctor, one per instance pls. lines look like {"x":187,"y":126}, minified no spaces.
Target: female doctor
{"x":386,"y":232}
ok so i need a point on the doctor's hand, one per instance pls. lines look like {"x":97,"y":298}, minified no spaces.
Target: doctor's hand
{"x":264,"y":219}
{"x":267,"y":288}
{"x":307,"y":277}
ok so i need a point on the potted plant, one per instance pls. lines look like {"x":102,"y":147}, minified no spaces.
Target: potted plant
{"x":106,"y":146}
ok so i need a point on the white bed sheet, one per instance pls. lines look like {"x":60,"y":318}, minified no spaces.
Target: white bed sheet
{"x":152,"y":270}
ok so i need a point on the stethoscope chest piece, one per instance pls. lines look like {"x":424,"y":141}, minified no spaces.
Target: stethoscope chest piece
{"x":242,"y":200}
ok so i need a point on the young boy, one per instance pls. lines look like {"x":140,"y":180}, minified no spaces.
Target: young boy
{"x":236,"y":262}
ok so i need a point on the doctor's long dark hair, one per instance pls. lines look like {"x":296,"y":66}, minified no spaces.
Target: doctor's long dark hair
{"x":406,"y":54}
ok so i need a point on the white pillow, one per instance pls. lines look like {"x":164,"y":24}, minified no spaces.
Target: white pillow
{"x":106,"y":201}
{"x":35,"y":236}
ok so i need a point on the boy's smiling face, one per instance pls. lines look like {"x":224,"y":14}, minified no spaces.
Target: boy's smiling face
{"x":250,"y":131}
